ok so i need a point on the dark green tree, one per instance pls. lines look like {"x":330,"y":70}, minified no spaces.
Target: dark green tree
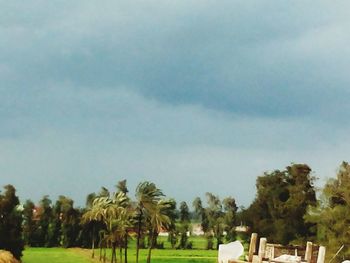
{"x":230,"y":209}
{"x":70,"y":221}
{"x":121,"y":187}
{"x":29,"y":225}
{"x":54,"y":234}
{"x":157,"y":219}
{"x":332,"y":215}
{"x":148,"y":196}
{"x":281,"y":202}
{"x":184,"y":225}
{"x":201,"y":212}
{"x":172,"y":213}
{"x":44,"y":216}
{"x":216,"y":218}
{"x":11,"y":222}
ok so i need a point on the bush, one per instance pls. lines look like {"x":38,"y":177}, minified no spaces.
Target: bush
{"x":160,"y":245}
{"x":189,"y":245}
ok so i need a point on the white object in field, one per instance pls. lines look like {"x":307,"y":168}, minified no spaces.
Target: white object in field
{"x":229,"y":251}
{"x":287,"y":258}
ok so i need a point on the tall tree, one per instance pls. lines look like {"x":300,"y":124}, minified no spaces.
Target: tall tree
{"x":201,"y":213}
{"x":332,"y":215}
{"x":70,"y":221}
{"x":29,"y":225}
{"x":281,"y":203}
{"x":115,"y":212}
{"x":216,"y":217}
{"x":54,"y":234}
{"x":11,"y":222}
{"x":121,"y":186}
{"x":184,"y":225}
{"x":230,"y":209}
{"x":93,"y":218}
{"x":158,"y":219}
{"x":171,"y":212}
{"x":148,"y":196}
{"x":44,"y":214}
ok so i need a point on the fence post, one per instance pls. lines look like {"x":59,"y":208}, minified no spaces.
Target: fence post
{"x":252,"y":246}
{"x":321,"y":254}
{"x":262,"y":249}
{"x":308,"y":252}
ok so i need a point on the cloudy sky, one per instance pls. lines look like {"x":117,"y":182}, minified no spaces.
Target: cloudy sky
{"x":195,"y":96}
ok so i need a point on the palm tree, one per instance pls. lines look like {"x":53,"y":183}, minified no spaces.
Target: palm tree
{"x":93,"y":215}
{"x":101,"y":211}
{"x":158,"y":219}
{"x":87,"y":218}
{"x":126,"y":222}
{"x":113,"y":212}
{"x":147,"y":195}
{"x":119,"y":232}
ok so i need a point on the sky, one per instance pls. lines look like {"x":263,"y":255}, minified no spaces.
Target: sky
{"x":195,"y":96}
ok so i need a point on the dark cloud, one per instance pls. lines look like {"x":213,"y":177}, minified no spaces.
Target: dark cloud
{"x":251,"y":77}
{"x":256,"y":58}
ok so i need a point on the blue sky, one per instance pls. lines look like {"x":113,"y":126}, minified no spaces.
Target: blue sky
{"x":195,"y":96}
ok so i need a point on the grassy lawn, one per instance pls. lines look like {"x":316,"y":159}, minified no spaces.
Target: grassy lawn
{"x":53,"y":255}
{"x":76,"y":255}
{"x":167,"y":255}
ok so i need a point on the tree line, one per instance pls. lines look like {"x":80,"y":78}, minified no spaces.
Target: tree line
{"x":286,"y":210}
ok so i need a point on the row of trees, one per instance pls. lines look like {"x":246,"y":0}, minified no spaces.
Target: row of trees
{"x":50,"y":225}
{"x":118,"y":217}
{"x":110,"y":220}
{"x":285,"y":210}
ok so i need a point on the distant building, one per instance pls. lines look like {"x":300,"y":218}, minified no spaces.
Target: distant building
{"x":242,"y":229}
{"x":197,"y":230}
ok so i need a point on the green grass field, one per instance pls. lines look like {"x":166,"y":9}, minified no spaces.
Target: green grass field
{"x":76,"y":255}
{"x":53,"y":255}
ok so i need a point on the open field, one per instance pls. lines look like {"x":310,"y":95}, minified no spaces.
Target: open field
{"x":53,"y":255}
{"x":76,"y":255}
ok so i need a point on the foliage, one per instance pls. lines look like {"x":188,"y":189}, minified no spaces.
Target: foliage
{"x":333,"y":213}
{"x":10,"y":222}
{"x":171,"y":212}
{"x":284,"y":211}
{"x":230,"y":221}
{"x":69,"y":219}
{"x":184,"y":225}
{"x":215,"y":219}
{"x":157,"y":219}
{"x":147,"y":196}
{"x":281,"y":203}
{"x":29,"y":225}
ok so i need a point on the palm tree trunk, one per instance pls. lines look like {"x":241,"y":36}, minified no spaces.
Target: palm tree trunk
{"x":121,"y":253}
{"x":104,"y":252}
{"x":138,"y":236}
{"x":100,"y":253}
{"x":150,"y":246}
{"x":93,"y":242}
{"x":126,"y":247}
{"x":114,"y":253}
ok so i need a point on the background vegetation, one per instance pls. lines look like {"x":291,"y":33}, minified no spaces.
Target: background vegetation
{"x":117,"y":226}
